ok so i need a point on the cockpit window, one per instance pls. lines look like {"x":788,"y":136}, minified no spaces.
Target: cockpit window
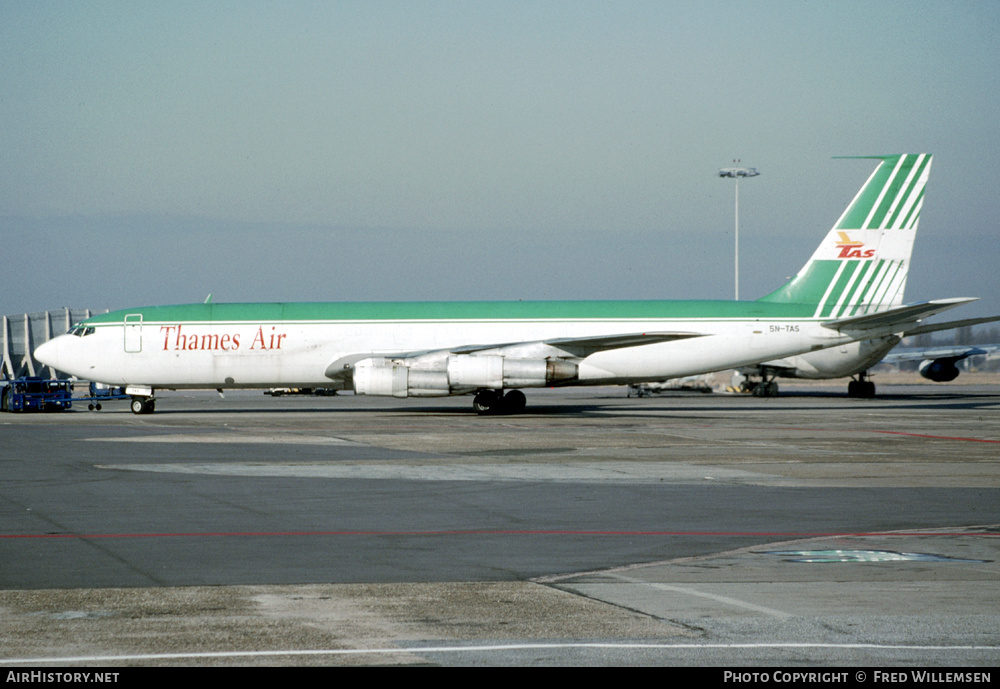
{"x":81,"y":331}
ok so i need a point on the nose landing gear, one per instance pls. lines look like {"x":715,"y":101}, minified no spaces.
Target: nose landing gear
{"x":143,"y":405}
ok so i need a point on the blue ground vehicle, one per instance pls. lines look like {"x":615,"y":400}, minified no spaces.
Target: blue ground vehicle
{"x":36,"y":394}
{"x":102,"y":393}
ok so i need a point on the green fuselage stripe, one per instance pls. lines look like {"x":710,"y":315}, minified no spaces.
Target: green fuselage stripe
{"x":462,"y":311}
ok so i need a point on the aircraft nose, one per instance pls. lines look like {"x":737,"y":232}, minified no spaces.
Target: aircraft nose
{"x":48,"y":352}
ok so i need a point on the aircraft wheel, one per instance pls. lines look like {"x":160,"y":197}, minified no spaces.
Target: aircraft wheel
{"x":861,"y":388}
{"x":495,"y":402}
{"x":143,"y":405}
{"x":485,"y":401}
{"x":514,"y":402}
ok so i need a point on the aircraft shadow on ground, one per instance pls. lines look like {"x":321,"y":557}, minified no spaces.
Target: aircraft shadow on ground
{"x":666,"y":403}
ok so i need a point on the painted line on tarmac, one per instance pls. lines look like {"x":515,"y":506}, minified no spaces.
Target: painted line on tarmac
{"x":939,"y":437}
{"x":227,"y":438}
{"x":958,"y":438}
{"x":724,"y":600}
{"x":418,"y":650}
{"x":507,"y":532}
{"x":557,"y":472}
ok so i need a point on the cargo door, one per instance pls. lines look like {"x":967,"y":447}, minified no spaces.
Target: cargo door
{"x":133,"y":332}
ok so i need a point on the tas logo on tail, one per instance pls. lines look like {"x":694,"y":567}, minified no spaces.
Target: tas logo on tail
{"x":852,"y":249}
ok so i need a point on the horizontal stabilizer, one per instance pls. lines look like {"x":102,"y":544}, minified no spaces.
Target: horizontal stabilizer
{"x":900,"y":315}
{"x":935,"y":327}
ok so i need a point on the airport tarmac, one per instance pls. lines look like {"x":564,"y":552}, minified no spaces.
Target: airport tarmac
{"x":594,"y":529}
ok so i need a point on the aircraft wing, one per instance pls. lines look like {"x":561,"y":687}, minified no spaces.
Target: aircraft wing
{"x":602,"y":342}
{"x":902,"y":316}
{"x":922,"y":353}
{"x":561,"y":347}
{"x":590,"y":344}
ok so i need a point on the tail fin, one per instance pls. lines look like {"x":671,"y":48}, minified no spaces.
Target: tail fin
{"x":862,"y":264}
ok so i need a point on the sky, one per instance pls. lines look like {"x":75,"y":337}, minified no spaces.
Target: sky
{"x":157,"y":152}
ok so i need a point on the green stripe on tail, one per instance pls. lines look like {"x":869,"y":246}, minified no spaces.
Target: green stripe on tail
{"x":861,"y":266}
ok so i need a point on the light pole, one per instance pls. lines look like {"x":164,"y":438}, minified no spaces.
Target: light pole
{"x":736,"y":173}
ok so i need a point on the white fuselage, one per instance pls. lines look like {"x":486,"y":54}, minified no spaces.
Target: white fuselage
{"x":846,"y":359}
{"x":298,"y":354}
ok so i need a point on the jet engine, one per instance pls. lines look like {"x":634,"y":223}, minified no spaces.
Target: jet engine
{"x":939,"y":370}
{"x":464,"y":373}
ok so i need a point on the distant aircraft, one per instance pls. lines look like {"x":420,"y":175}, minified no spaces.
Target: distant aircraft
{"x":855,"y":359}
{"x":939,"y":363}
{"x":850,"y":290}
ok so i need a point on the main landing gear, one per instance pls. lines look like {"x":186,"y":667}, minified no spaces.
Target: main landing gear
{"x":862,"y":387}
{"x":496,"y":402}
{"x":764,"y":388}
{"x":143,"y":405}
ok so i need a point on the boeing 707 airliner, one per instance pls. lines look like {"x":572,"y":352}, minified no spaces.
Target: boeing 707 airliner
{"x":850,"y":290}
